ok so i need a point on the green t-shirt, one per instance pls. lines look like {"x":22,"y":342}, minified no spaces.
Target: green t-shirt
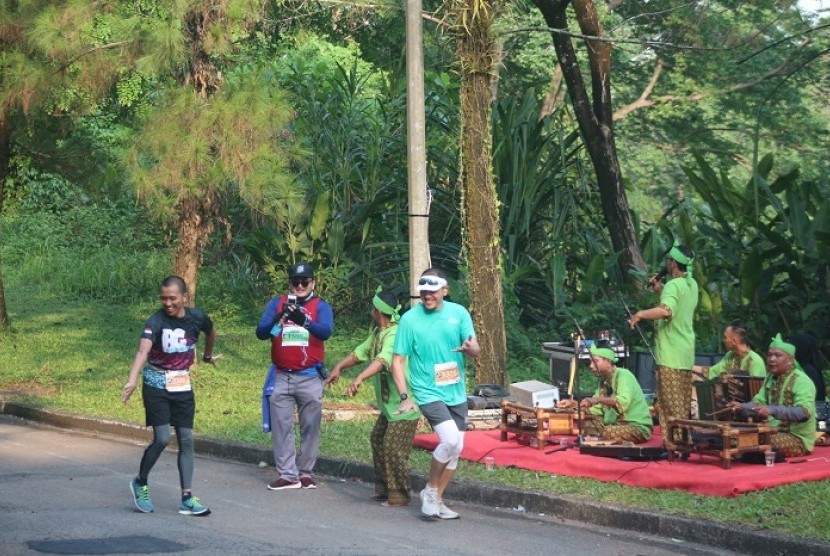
{"x":676,"y":335}
{"x":428,"y":340}
{"x":378,"y":345}
{"x":794,"y":389}
{"x":751,"y":363}
{"x":631,"y":408}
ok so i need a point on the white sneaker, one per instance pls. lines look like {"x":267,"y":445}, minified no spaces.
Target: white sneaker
{"x":445,"y":513}
{"x":430,"y":505}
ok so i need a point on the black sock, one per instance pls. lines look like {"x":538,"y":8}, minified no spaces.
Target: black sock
{"x":186,"y":496}
{"x":141,"y":482}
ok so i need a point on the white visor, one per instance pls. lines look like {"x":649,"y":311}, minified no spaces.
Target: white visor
{"x":431,"y":284}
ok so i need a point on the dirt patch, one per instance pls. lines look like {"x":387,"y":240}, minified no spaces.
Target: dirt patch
{"x":27,"y":389}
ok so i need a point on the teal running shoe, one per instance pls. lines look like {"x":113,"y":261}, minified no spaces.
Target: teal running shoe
{"x":192,"y":506}
{"x":141,"y":497}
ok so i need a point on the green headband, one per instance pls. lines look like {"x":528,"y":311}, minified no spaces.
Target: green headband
{"x":676,"y":254}
{"x":385,"y":308}
{"x":604,"y":353}
{"x":779,"y":343}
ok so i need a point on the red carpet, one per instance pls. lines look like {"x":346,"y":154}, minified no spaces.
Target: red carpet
{"x":701,"y":476}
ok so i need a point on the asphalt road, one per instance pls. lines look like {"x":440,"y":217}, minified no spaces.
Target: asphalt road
{"x":68,"y":493}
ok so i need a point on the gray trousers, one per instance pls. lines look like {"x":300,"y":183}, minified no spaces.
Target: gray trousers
{"x":306,"y":393}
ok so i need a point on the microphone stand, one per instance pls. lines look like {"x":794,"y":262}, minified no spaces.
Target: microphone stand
{"x":580,"y":335}
{"x":642,"y":335}
{"x":574,"y":383}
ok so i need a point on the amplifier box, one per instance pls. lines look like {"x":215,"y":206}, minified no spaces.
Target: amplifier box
{"x":532,"y":393}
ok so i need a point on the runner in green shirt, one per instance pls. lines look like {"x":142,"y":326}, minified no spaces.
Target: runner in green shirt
{"x":675,"y":349}
{"x":392,"y":435}
{"x":434,"y":338}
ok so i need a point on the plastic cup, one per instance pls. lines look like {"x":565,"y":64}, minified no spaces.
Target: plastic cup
{"x":769,"y":458}
{"x":490,"y":463}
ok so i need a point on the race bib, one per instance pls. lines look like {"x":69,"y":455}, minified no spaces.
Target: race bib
{"x":446,"y":374}
{"x":293,"y":335}
{"x":177,"y":381}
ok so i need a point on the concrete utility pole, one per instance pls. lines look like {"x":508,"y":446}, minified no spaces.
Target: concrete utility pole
{"x":416,"y":148}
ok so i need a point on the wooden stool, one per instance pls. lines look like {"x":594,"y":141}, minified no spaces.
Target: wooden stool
{"x":733,"y":438}
{"x":539,"y":422}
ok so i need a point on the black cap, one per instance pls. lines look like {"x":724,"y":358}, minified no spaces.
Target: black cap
{"x":301,"y":270}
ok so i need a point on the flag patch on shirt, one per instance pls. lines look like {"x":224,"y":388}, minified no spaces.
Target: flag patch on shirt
{"x":148,"y":330}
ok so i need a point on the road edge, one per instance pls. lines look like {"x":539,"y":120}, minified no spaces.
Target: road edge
{"x":725,"y":536}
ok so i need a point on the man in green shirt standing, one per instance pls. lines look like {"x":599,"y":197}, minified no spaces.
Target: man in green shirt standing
{"x":675,"y":349}
{"x":788,"y":399}
{"x":618,"y":410}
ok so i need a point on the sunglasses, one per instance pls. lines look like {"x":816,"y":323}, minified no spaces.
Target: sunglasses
{"x":297,"y":282}
{"x":432,"y":281}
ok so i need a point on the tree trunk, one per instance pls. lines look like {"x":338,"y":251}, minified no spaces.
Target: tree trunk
{"x":596,"y":120}
{"x":477,"y":53}
{"x":5,"y":159}
{"x":195,"y":224}
{"x":195,"y":220}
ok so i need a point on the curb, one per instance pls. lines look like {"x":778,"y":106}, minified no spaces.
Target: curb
{"x":730,"y":537}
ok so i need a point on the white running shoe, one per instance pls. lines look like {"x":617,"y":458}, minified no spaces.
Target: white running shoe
{"x":430,"y":505}
{"x":445,"y":513}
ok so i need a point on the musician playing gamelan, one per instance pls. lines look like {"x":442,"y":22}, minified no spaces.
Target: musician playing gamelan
{"x":787,"y":398}
{"x":618,"y":409}
{"x":740,"y":358}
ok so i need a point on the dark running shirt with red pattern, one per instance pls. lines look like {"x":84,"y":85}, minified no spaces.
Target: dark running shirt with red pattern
{"x":174,"y":340}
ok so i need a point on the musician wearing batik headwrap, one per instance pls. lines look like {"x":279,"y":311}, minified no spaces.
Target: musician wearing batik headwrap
{"x":787,"y":398}
{"x":618,"y":410}
{"x":392,"y":435}
{"x":675,"y":345}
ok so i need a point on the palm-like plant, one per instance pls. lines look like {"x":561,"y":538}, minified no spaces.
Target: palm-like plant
{"x":766,"y":247}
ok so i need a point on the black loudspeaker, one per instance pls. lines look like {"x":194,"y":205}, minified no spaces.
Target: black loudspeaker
{"x":644,"y":369}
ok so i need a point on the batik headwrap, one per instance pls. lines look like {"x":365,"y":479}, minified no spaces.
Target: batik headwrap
{"x":779,"y":343}
{"x":604,"y":352}
{"x":676,"y":254}
{"x":385,"y":308}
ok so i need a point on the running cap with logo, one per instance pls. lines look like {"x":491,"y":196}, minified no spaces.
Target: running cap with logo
{"x":301,"y":270}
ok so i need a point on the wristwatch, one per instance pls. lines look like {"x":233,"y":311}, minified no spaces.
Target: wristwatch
{"x":404,"y":396}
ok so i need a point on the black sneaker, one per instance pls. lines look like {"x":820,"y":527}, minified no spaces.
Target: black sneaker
{"x":308,"y":482}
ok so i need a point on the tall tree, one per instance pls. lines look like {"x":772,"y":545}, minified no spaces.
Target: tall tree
{"x":595,"y":116}
{"x":720,"y":78}
{"x":477,"y":53}
{"x":214,"y":131}
{"x":5,"y":157}
{"x":56,"y":59}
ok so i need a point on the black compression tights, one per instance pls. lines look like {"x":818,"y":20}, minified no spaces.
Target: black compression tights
{"x":161,"y":438}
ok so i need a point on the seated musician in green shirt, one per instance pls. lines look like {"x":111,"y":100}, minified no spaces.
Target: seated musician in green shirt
{"x":618,"y":410}
{"x":787,"y":399}
{"x":739,"y":358}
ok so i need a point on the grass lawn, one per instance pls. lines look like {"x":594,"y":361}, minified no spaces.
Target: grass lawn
{"x":75,"y":356}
